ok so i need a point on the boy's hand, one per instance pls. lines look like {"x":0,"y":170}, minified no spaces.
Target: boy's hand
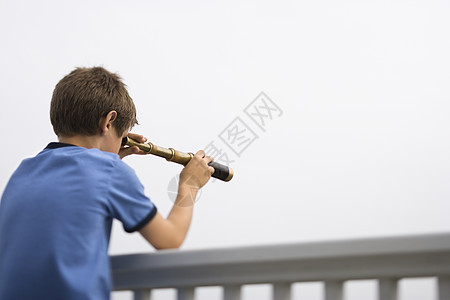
{"x":125,"y":151}
{"x":197,"y":172}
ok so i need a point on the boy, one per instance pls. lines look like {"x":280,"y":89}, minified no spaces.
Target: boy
{"x":57,"y":209}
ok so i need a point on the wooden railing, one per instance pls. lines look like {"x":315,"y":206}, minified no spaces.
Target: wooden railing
{"x":384,"y":259}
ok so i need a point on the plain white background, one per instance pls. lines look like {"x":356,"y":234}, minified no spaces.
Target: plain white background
{"x":362,"y":145}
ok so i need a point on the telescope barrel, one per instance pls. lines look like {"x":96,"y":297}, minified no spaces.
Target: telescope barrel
{"x":221,"y":172}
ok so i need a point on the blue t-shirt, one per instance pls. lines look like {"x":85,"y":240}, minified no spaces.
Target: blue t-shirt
{"x":55,"y":222}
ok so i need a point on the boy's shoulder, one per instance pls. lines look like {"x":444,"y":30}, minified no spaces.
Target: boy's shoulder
{"x":60,"y":167}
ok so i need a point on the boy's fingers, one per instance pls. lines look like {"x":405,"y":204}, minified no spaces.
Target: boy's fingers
{"x":211,"y":169}
{"x":209,"y":159}
{"x":136,"y":150}
{"x":128,"y":151}
{"x":137,"y":137}
{"x":203,"y":159}
{"x":200,"y":153}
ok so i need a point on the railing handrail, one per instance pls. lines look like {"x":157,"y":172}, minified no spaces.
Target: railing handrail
{"x":385,"y":257}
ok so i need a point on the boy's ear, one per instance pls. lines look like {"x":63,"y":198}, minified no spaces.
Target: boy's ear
{"x":106,"y":122}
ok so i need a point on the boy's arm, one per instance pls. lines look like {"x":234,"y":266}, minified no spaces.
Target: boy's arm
{"x":170,"y":232}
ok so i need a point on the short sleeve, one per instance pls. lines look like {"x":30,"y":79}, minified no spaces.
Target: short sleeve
{"x":127,"y":200}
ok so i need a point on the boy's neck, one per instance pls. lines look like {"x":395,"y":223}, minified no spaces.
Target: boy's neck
{"x":82,"y":141}
{"x":108,"y":141}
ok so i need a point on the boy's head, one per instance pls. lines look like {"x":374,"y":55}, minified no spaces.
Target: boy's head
{"x":85,"y":96}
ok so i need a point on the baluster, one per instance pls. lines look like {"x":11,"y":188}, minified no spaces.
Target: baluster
{"x":333,"y":290}
{"x":232,"y":292}
{"x":387,"y":289}
{"x":444,"y":287}
{"x":143,"y":294}
{"x":186,"y":293}
{"x":281,"y":291}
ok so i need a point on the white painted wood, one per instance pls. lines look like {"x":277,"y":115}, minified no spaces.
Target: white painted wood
{"x":185,"y":293}
{"x":232,"y":292}
{"x":444,"y":287}
{"x":281,"y":291}
{"x":392,"y":257}
{"x":387,"y":289}
{"x":334,"y":290}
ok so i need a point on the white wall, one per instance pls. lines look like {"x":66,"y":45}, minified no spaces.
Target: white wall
{"x":361,"y":147}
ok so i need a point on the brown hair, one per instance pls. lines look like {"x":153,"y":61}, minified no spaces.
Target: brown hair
{"x":85,"y":96}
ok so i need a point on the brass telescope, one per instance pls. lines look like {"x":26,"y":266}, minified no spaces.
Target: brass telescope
{"x":221,"y":172}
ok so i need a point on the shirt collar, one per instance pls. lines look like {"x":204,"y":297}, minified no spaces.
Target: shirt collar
{"x":55,"y":145}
